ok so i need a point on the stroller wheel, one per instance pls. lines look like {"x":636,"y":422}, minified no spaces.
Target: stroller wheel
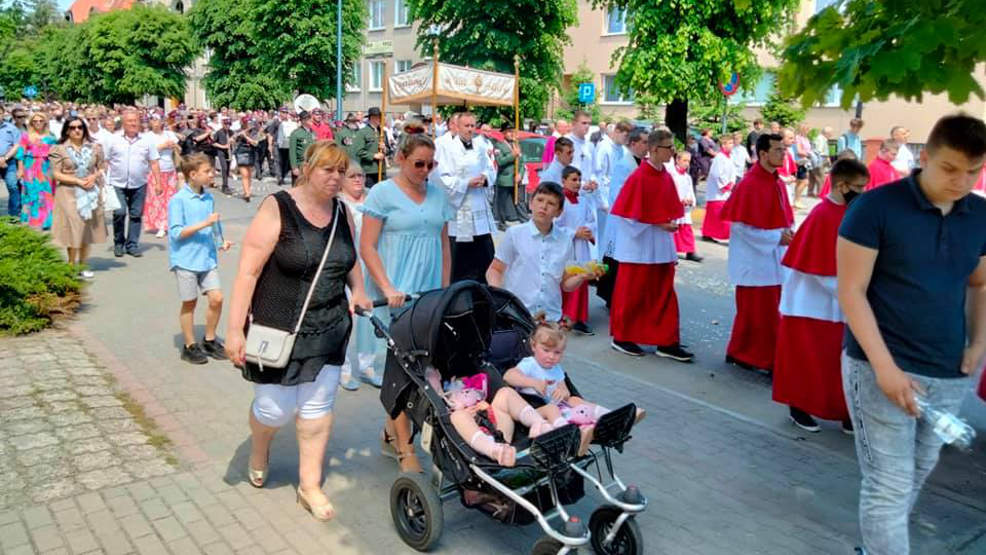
{"x":417,"y":511}
{"x":546,"y":545}
{"x":628,"y":540}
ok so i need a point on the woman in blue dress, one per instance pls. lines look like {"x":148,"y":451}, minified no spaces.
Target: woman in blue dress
{"x":405,"y":247}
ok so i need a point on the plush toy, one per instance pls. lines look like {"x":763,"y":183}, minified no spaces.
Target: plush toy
{"x":464,"y":398}
{"x":580,"y":415}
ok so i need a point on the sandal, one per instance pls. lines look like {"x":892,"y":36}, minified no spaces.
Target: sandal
{"x":257,"y":478}
{"x":321,"y":513}
{"x":388,"y":445}
{"x":414,"y":466}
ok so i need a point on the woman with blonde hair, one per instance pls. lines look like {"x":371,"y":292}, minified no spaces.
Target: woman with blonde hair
{"x":34,"y":172}
{"x":160,"y":193}
{"x":300,"y":243}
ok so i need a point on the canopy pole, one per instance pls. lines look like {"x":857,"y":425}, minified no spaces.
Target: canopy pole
{"x":383,"y":121}
{"x":516,"y":126}
{"x":434,"y":88}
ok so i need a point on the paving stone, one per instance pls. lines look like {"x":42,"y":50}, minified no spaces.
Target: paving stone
{"x":141,"y":491}
{"x":21,"y":427}
{"x":81,"y":541}
{"x":171,"y":494}
{"x":55,"y":489}
{"x":29,"y":412}
{"x":47,"y":537}
{"x":148,"y":468}
{"x":70,"y":519}
{"x":110,"y":493}
{"x":33,"y":441}
{"x":75,"y":433}
{"x":115,"y":543}
{"x":136,"y":526}
{"x":185,"y":546}
{"x":91,"y":502}
{"x":104,"y":477}
{"x":122,"y":506}
{"x":154,"y":509}
{"x":169,"y":529}
{"x":69,"y":418}
{"x":235,"y":535}
{"x":103,"y":522}
{"x":218,"y":548}
{"x":15,"y":403}
{"x":101,"y":401}
{"x":93,"y":461}
{"x":268,"y":539}
{"x":49,"y":471}
{"x":41,"y":455}
{"x":58,"y":395}
{"x":118,"y":425}
{"x":13,"y":535}
{"x":150,"y":545}
{"x":9,"y":516}
{"x":218,"y":515}
{"x":62,"y":505}
{"x":138,"y":452}
{"x":186,"y":512}
{"x":129,"y":438}
{"x":36,"y":517}
{"x":20,"y":550}
{"x":90,"y":445}
{"x":91,"y":390}
{"x":63,"y":406}
{"x":202,"y":531}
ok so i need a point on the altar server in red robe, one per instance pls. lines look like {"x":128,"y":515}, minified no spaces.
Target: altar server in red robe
{"x":644,"y":304}
{"x":579,"y":217}
{"x":881,"y":168}
{"x":807,"y":365}
{"x":760,"y":229}
{"x":684,"y":238}
{"x":846,"y":154}
{"x":720,"y":181}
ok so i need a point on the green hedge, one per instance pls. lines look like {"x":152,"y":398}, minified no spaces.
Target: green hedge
{"x":36,"y":283}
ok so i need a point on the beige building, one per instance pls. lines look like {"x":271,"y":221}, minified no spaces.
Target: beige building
{"x":599,"y":33}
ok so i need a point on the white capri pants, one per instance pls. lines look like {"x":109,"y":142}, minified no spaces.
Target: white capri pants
{"x":275,"y":405}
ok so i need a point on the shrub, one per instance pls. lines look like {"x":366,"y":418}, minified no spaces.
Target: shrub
{"x":36,"y":284}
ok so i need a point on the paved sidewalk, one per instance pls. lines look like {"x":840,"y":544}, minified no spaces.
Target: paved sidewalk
{"x":716,"y":485}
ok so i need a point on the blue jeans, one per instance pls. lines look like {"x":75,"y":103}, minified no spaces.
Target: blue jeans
{"x":132,"y":205}
{"x":896,"y":452}
{"x":13,"y":189}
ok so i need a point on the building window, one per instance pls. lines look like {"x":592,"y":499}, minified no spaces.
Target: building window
{"x":401,"y":13}
{"x":613,"y":94}
{"x":356,"y":79}
{"x":376,"y":15}
{"x":376,"y":76}
{"x":760,"y":93}
{"x":616,"y":21}
{"x":833,"y":97}
{"x":402,"y":65}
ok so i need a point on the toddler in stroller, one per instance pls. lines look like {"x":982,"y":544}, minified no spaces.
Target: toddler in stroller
{"x":546,"y":387}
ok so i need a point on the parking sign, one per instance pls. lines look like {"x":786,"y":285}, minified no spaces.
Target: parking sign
{"x":587,"y":92}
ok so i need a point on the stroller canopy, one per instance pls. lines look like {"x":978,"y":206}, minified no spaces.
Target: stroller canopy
{"x":447,"y":328}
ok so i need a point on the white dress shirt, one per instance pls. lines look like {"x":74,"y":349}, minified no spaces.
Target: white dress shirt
{"x":128,"y":160}
{"x":535,"y":265}
{"x":722,"y":176}
{"x":683,"y":184}
{"x":904,"y":162}
{"x":456,"y":166}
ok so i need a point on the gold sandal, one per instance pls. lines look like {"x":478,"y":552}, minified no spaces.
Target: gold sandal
{"x":411,"y":456}
{"x":388,"y":445}
{"x":321,"y":513}
{"x":257,"y":478}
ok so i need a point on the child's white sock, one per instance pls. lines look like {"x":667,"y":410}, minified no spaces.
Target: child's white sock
{"x":598,"y":411}
{"x":500,"y":452}
{"x":534,"y":421}
{"x":559,"y":422}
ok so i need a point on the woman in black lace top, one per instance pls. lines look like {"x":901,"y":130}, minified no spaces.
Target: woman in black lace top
{"x":281,"y":253}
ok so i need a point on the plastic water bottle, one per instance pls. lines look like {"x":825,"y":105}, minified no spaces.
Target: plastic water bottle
{"x":949,"y":428}
{"x":217,"y":235}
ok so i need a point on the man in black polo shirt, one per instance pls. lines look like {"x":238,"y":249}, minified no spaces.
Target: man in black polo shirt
{"x":906,"y":254}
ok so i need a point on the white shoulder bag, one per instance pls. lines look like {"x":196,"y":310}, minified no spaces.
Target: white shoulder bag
{"x":271,"y":347}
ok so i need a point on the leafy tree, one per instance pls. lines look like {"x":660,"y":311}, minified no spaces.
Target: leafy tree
{"x":710,"y":115}
{"x":783,"y":110}
{"x":679,"y":50}
{"x":18,"y":69}
{"x":263,"y":53}
{"x":875,"y":49}
{"x":130,"y":53}
{"x":40,"y":13}
{"x":487,"y":35}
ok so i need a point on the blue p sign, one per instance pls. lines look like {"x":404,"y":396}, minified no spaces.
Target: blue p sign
{"x":30,"y":91}
{"x":587,"y":93}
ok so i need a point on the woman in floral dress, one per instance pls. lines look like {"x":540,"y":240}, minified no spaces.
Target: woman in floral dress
{"x":158,"y":194}
{"x":34,"y":171}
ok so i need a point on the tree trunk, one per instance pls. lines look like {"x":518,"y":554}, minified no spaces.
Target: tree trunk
{"x":676,"y":118}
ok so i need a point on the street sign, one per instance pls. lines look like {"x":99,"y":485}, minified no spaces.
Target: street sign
{"x":30,"y":91}
{"x":730,"y":87}
{"x":587,"y":93}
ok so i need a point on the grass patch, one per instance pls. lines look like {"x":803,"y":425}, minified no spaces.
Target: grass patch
{"x":36,"y":284}
{"x":155,"y":437}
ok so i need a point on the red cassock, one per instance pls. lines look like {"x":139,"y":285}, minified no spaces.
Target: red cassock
{"x":644,"y":304}
{"x":759,"y":201}
{"x":982,"y":387}
{"x":807,"y":366}
{"x":684,"y":239}
{"x":826,"y":187}
{"x":881,"y":173}
{"x":575,"y":304}
{"x":712,"y":223}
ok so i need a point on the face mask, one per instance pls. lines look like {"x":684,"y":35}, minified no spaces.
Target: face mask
{"x":850,"y":196}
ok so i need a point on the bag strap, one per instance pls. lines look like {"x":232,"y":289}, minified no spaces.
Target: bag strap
{"x":325,"y":255}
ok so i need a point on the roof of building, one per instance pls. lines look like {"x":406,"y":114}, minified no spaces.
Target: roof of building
{"x":82,"y":9}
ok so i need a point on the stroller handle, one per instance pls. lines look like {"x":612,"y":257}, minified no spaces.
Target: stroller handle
{"x":377,"y":303}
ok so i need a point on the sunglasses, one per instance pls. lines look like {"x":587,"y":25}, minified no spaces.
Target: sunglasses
{"x":418,"y":164}
{"x":75,"y":128}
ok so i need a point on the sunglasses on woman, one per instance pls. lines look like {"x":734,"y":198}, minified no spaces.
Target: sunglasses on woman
{"x":75,"y":128}
{"x":418,"y":164}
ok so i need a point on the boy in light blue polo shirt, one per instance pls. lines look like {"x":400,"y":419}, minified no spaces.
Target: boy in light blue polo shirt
{"x":194,"y":233}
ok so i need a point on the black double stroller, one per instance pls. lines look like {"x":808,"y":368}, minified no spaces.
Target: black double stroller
{"x":463,"y":330}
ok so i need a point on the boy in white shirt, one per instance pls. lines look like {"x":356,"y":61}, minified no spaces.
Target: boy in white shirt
{"x":538,"y":248}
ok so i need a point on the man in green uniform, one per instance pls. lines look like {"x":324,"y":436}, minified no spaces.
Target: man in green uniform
{"x":346,"y":135}
{"x":504,"y":209}
{"x":366,"y":144}
{"x":298,"y":142}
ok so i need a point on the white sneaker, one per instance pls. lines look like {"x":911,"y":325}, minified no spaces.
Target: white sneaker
{"x":160,"y":234}
{"x":86,"y":274}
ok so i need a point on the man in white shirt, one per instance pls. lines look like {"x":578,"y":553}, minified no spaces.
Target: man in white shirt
{"x":288,"y":125}
{"x":561,"y":129}
{"x":56,"y":122}
{"x":904,"y":161}
{"x":466,"y":171}
{"x":608,"y":153}
{"x":129,"y":159}
{"x":564,"y":151}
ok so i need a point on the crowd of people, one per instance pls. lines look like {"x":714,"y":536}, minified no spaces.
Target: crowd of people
{"x":818,"y":305}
